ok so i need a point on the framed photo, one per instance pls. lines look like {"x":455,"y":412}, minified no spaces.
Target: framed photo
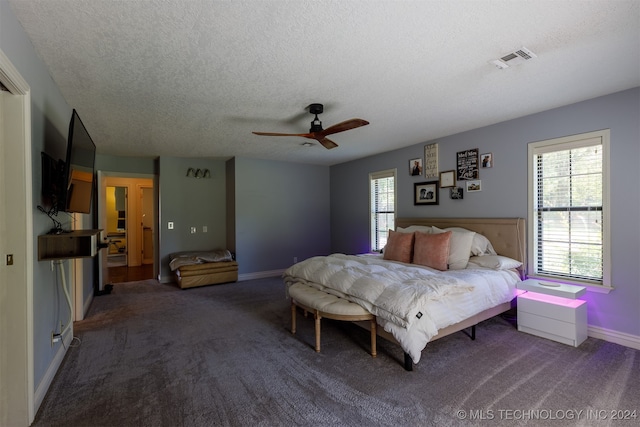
{"x":425,"y":193}
{"x":431,"y":161}
{"x":415,"y":167}
{"x":447,"y":179}
{"x":475,"y":185}
{"x":486,"y":160}
{"x":467,"y":164}
{"x":456,"y":193}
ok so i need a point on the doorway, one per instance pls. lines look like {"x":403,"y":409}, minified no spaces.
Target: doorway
{"x":17,"y":405}
{"x":127,"y":208}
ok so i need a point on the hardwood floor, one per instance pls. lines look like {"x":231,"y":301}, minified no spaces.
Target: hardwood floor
{"x":130,"y":274}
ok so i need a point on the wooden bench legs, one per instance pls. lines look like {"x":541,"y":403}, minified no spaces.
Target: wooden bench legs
{"x":318,"y":315}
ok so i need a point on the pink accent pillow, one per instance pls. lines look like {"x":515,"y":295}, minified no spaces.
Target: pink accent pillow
{"x":399,"y":247}
{"x":432,"y":250}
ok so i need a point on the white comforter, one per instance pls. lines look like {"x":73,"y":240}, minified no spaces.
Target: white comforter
{"x":411,"y":302}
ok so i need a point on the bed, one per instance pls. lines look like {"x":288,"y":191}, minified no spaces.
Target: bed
{"x":415,"y":303}
{"x":202,"y":268}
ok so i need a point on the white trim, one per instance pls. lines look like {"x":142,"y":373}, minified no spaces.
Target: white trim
{"x":627,"y":340}
{"x":567,"y":142}
{"x":50,"y":374}
{"x":11,"y":78}
{"x":17,"y":85}
{"x":260,"y":275}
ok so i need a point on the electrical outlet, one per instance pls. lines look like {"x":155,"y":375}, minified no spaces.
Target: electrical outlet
{"x":204,"y":228}
{"x":193,"y":230}
{"x":170,"y":225}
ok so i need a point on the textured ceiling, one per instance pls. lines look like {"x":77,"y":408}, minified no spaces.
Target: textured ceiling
{"x":193,"y":78}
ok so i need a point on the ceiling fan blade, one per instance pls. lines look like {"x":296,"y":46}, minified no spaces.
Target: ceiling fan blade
{"x":326,"y":142}
{"x":306,"y":135}
{"x":343,"y":126}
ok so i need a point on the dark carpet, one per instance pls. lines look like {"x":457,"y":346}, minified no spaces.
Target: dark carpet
{"x":151,"y":354}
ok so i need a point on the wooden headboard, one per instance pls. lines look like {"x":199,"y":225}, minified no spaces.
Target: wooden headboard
{"x":507,"y":235}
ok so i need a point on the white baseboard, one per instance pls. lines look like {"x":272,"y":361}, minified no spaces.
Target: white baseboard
{"x":615,"y":337}
{"x":260,"y":275}
{"x":241,"y":277}
{"x":43,"y":387}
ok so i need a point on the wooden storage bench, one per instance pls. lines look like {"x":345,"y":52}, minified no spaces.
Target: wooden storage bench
{"x":203,"y":268}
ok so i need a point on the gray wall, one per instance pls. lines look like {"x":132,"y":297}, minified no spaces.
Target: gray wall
{"x":504,"y":189}
{"x":267,"y":212}
{"x":127,"y":165}
{"x":191,"y":202}
{"x":281,"y":212}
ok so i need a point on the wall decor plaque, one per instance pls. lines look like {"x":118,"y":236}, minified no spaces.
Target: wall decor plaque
{"x":467,"y":164}
{"x":431,"y":161}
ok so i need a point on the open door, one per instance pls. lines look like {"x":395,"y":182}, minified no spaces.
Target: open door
{"x":103,"y":269}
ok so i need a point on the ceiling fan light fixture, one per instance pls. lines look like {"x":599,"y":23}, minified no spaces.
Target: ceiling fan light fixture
{"x":316,"y":125}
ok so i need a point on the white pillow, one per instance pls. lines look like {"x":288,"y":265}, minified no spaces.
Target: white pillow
{"x":480,"y":246}
{"x":460,"y":247}
{"x":497,"y":262}
{"x":414,"y":228}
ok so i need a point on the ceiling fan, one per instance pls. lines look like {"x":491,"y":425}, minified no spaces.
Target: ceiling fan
{"x":316,"y":132}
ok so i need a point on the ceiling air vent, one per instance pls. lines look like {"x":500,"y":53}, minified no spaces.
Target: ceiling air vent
{"x":514,"y":58}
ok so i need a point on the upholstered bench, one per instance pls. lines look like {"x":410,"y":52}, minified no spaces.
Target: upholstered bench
{"x":211,"y":273}
{"x":200,"y":268}
{"x":322,"y":304}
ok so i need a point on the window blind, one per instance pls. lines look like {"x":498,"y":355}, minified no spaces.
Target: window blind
{"x":568,"y":210}
{"x":382,"y":198}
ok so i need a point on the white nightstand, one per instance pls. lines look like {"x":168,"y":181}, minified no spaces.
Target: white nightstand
{"x":551,"y":310}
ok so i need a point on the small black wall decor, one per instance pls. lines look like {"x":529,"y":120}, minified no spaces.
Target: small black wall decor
{"x":467,"y":164}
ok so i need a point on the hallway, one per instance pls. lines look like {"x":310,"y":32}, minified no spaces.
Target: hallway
{"x":130,"y":274}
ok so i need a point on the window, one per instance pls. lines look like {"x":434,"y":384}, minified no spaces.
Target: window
{"x":569,"y":209}
{"x":383,"y":206}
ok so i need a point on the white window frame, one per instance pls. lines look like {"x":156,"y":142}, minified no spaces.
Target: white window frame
{"x":373,"y":176}
{"x":561,"y":144}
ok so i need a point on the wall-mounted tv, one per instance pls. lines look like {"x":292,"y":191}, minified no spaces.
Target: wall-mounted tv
{"x":79,"y":168}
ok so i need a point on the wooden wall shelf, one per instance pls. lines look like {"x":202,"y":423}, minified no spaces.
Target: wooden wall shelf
{"x":75,"y":244}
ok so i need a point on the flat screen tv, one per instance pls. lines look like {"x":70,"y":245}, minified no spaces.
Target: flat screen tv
{"x":79,"y":168}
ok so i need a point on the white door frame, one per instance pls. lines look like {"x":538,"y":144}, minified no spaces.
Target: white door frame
{"x":16,"y":237}
{"x":103,"y":177}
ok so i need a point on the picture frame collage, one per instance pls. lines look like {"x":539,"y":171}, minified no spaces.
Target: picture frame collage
{"x":467,"y":170}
